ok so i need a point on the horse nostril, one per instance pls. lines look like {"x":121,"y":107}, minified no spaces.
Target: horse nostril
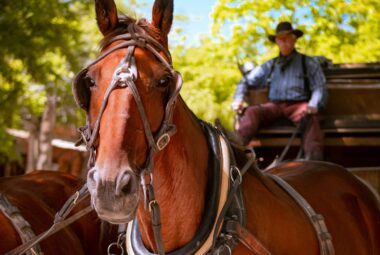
{"x":124,"y":184}
{"x":127,"y":188}
{"x":92,"y":179}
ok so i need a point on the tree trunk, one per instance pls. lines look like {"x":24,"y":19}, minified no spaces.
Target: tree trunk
{"x":31,"y":124}
{"x":32,"y":150}
{"x":45,"y":149}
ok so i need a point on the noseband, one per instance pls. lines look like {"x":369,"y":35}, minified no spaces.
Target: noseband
{"x":125,"y":76}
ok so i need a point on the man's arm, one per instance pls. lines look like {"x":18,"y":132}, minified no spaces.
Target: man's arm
{"x":318,"y":89}
{"x":254,"y":79}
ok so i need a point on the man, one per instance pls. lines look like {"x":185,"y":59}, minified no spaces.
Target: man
{"x":296,"y":87}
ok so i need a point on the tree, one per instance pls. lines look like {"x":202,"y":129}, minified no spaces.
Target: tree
{"x":207,"y":78}
{"x":42,"y":44}
{"x":342,"y":30}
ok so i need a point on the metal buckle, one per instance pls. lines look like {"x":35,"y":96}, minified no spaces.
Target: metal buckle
{"x":163,"y":141}
{"x":235,"y":174}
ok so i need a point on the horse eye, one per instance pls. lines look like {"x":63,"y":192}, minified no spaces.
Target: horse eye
{"x":164,"y":81}
{"x":89,"y":81}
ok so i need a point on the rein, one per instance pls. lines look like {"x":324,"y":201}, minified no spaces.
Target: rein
{"x":124,"y":77}
{"x":59,"y":221}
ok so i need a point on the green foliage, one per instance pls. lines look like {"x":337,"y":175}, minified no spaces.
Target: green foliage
{"x":346,"y":31}
{"x":42,"y":44}
{"x":342,"y":30}
{"x":208,"y":75}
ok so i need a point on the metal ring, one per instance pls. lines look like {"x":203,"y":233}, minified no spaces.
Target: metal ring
{"x":238,"y":174}
{"x":76,"y":197}
{"x":117,"y":245}
{"x":163,"y":141}
{"x":150,"y":204}
{"x":228,"y":248}
{"x":146,"y":173}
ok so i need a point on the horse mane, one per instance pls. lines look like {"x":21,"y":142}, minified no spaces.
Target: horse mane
{"x":122,"y":28}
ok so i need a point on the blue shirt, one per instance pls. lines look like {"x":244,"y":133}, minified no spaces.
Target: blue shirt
{"x":287,"y":84}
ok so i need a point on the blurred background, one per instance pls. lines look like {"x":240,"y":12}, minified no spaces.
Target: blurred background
{"x":44,"y":43}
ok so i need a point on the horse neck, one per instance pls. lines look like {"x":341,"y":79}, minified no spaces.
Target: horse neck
{"x":180,"y":176}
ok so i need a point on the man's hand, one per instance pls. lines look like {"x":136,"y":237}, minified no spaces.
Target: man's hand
{"x":237,"y":106}
{"x":310,"y":110}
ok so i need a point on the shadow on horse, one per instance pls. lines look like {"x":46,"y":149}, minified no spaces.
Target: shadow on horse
{"x":153,"y":162}
{"x":32,"y":202}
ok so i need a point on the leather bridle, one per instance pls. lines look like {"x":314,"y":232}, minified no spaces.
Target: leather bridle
{"x":125,"y":76}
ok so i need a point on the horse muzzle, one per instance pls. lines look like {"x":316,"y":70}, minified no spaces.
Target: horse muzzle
{"x":115,"y":200}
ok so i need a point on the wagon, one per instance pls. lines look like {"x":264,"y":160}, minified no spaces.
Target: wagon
{"x":350,"y":122}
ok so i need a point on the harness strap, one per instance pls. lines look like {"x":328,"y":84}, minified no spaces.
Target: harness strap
{"x":236,"y":179}
{"x":59,"y":222}
{"x":246,"y":238}
{"x":22,"y":227}
{"x":317,"y":220}
{"x":156,"y":225}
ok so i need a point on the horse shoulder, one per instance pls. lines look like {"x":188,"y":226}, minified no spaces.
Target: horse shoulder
{"x":341,"y":198}
{"x":274,"y":218}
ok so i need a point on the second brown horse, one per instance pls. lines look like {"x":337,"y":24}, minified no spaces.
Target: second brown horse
{"x":38,"y":196}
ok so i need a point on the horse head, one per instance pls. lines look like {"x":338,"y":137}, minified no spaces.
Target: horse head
{"x":129,"y":93}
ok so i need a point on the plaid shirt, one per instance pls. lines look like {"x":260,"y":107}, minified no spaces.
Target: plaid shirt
{"x":287,"y":85}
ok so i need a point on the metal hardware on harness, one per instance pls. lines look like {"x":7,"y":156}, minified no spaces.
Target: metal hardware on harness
{"x":118,"y":244}
{"x":163,"y":141}
{"x":246,"y":238}
{"x":147,"y":187}
{"x":236,"y":175}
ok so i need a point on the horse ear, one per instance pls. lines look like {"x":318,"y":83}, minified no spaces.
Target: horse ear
{"x":106,"y":15}
{"x":162,"y":15}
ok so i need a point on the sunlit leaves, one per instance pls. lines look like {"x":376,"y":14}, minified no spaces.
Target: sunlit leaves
{"x":208,"y":75}
{"x":342,"y":30}
{"x":41,"y":45}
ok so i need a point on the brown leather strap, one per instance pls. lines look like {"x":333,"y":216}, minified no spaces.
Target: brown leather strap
{"x":20,"y":224}
{"x":250,"y":241}
{"x":246,"y":238}
{"x":317,"y":220}
{"x":59,"y":221}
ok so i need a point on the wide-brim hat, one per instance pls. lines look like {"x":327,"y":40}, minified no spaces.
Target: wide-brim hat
{"x":285,"y":28}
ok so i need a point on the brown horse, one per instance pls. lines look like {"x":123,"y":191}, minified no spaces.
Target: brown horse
{"x":38,"y":196}
{"x":130,"y":95}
